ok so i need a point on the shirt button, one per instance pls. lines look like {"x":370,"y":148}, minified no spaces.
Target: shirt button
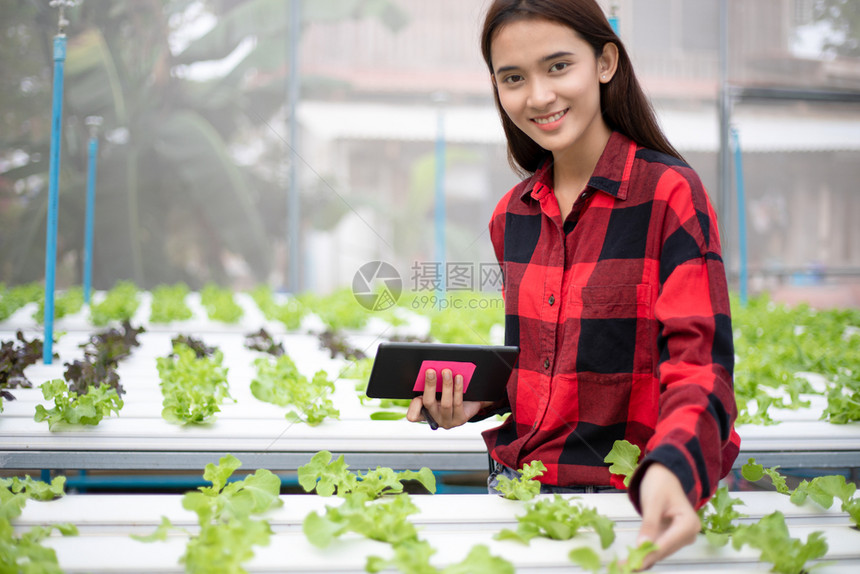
{"x":546,"y":363}
{"x":551,"y":299}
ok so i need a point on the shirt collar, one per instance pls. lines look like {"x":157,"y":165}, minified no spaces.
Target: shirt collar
{"x":611,"y":174}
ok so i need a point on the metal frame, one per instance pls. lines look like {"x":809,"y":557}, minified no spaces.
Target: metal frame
{"x":289,"y":461}
{"x":275,"y":461}
{"x":729,"y":95}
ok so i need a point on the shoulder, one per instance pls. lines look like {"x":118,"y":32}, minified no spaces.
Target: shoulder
{"x":502,"y":204}
{"x":678,"y":192}
{"x":511,"y":201}
{"x":497,"y":221}
{"x":668,"y":177}
{"x":509,"y":205}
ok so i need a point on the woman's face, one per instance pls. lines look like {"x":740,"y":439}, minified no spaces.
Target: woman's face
{"x":548,"y":81}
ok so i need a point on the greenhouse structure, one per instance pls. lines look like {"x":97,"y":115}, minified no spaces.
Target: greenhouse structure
{"x":214,"y":213}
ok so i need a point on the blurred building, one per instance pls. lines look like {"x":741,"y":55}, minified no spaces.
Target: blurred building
{"x":370,"y":134}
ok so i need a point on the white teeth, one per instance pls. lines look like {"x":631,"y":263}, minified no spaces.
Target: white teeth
{"x":550,"y":119}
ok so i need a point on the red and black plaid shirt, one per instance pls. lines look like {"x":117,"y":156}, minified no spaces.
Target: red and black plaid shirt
{"x":622,"y":316}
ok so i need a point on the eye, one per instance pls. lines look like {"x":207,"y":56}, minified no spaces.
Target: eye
{"x":558,"y":66}
{"x":512,"y":79}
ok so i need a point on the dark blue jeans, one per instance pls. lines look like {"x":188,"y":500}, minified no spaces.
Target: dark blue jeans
{"x":498,"y":469}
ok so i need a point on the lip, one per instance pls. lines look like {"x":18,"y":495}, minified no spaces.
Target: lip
{"x":549,"y":126}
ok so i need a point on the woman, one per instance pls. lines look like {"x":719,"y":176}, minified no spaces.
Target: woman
{"x":615,"y":289}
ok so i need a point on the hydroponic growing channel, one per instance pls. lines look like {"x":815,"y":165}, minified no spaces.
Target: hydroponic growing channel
{"x":246,"y":419}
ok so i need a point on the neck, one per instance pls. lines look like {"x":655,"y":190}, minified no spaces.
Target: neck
{"x":572,"y":167}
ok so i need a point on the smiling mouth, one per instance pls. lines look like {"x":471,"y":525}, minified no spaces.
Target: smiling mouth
{"x":549,"y":119}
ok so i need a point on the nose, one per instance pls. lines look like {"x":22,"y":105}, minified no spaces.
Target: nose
{"x":541,"y":93}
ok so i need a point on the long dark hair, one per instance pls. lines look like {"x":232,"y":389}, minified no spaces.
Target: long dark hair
{"x":624,"y":106}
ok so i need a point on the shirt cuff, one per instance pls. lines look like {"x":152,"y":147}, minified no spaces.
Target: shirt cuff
{"x":497,"y":408}
{"x":673,"y":459}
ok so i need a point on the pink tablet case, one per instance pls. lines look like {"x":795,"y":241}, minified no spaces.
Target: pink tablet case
{"x":457,"y":368}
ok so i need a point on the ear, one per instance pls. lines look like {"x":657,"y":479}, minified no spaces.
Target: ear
{"x":607,"y":62}
{"x":493,"y":79}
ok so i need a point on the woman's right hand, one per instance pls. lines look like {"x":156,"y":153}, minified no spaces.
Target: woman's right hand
{"x":449,"y":412}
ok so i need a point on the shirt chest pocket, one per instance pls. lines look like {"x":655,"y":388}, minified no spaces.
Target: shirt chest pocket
{"x":609,"y":330}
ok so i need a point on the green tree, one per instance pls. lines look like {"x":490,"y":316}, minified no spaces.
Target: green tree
{"x":170,"y":192}
{"x":844,"y":18}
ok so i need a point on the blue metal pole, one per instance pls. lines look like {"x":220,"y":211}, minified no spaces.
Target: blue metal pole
{"x":742,"y":219}
{"x":53,"y":195}
{"x":293,"y":203}
{"x":613,"y":19}
{"x":439,"y":220}
{"x":91,"y":210}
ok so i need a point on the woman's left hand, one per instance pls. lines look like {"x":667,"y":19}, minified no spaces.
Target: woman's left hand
{"x":668,"y":518}
{"x":449,"y":412}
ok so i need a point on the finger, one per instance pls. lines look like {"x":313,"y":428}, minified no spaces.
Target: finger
{"x":413,"y":414}
{"x":650,"y":529}
{"x":655,"y":505}
{"x":654,"y":556}
{"x":458,"y":392}
{"x":429,"y":395}
{"x":447,"y":402}
{"x":680,"y":531}
{"x":458,"y":416}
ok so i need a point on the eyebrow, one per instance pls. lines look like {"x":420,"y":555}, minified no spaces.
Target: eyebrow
{"x":552,"y":56}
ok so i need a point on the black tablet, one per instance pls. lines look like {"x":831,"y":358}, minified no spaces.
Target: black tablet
{"x":398,"y":369}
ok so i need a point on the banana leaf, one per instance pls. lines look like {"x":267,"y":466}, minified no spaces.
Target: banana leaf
{"x":217,"y":183}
